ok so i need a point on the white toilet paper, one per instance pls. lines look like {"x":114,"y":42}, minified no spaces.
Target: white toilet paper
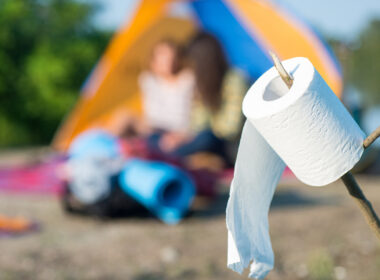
{"x":308,"y":128}
{"x":257,"y":172}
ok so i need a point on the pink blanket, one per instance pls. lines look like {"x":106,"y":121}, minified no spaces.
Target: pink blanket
{"x":41,"y":178}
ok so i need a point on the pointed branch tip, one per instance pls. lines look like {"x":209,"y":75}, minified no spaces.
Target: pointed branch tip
{"x":285,"y":76}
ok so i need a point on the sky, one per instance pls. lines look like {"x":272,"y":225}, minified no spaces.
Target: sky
{"x":343,"y":19}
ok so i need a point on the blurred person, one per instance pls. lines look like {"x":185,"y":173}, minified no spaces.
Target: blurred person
{"x":216,"y":111}
{"x":167,"y":90}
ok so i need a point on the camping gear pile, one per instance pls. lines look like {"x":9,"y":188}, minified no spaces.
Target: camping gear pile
{"x":98,"y":171}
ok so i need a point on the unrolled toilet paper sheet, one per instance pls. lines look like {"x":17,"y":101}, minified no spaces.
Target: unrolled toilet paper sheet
{"x":257,"y":174}
{"x":306,"y":128}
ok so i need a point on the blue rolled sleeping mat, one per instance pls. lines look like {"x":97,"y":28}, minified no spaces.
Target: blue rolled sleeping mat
{"x":165,"y":190}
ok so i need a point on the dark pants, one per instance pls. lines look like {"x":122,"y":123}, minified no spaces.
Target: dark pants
{"x":204,"y":141}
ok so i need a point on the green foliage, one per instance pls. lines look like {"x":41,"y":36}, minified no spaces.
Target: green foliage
{"x":47,"y":48}
{"x":364,"y":68}
{"x":361,"y":63}
{"x":321,"y":266}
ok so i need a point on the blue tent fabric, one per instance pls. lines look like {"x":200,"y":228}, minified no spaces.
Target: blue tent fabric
{"x":247,"y":54}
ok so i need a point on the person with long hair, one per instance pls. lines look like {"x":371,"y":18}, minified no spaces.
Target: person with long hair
{"x":219,"y":92}
{"x":167,"y":89}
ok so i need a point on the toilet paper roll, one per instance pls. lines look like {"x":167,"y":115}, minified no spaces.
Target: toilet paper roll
{"x":305,"y":127}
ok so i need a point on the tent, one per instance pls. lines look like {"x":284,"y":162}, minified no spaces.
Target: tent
{"x":247,"y":29}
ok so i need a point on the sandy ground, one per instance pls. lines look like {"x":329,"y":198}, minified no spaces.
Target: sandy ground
{"x":317,"y":233}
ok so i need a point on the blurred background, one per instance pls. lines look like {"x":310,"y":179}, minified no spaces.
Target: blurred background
{"x":50,"y":55}
{"x":48,"y":50}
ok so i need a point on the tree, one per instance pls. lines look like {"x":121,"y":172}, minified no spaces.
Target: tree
{"x":361,"y":62}
{"x":47,"y":48}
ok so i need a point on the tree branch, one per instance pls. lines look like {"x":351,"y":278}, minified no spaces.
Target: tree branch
{"x":348,"y":179}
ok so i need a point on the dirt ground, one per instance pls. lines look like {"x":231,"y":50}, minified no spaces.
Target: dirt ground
{"x":317,"y":233}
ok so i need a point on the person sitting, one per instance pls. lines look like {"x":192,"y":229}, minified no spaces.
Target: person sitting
{"x":216,"y":117}
{"x":167,"y":90}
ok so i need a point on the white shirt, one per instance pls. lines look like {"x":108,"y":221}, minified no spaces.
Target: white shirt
{"x":167,"y":105}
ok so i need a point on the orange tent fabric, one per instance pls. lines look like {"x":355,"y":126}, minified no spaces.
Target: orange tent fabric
{"x":249,"y":28}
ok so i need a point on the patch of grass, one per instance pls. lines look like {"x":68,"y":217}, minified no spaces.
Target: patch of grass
{"x":321,"y":266}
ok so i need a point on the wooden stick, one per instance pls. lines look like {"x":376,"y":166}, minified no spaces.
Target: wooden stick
{"x":281,"y":70}
{"x":363,"y":203}
{"x":371,"y":138}
{"x":348,"y":179}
